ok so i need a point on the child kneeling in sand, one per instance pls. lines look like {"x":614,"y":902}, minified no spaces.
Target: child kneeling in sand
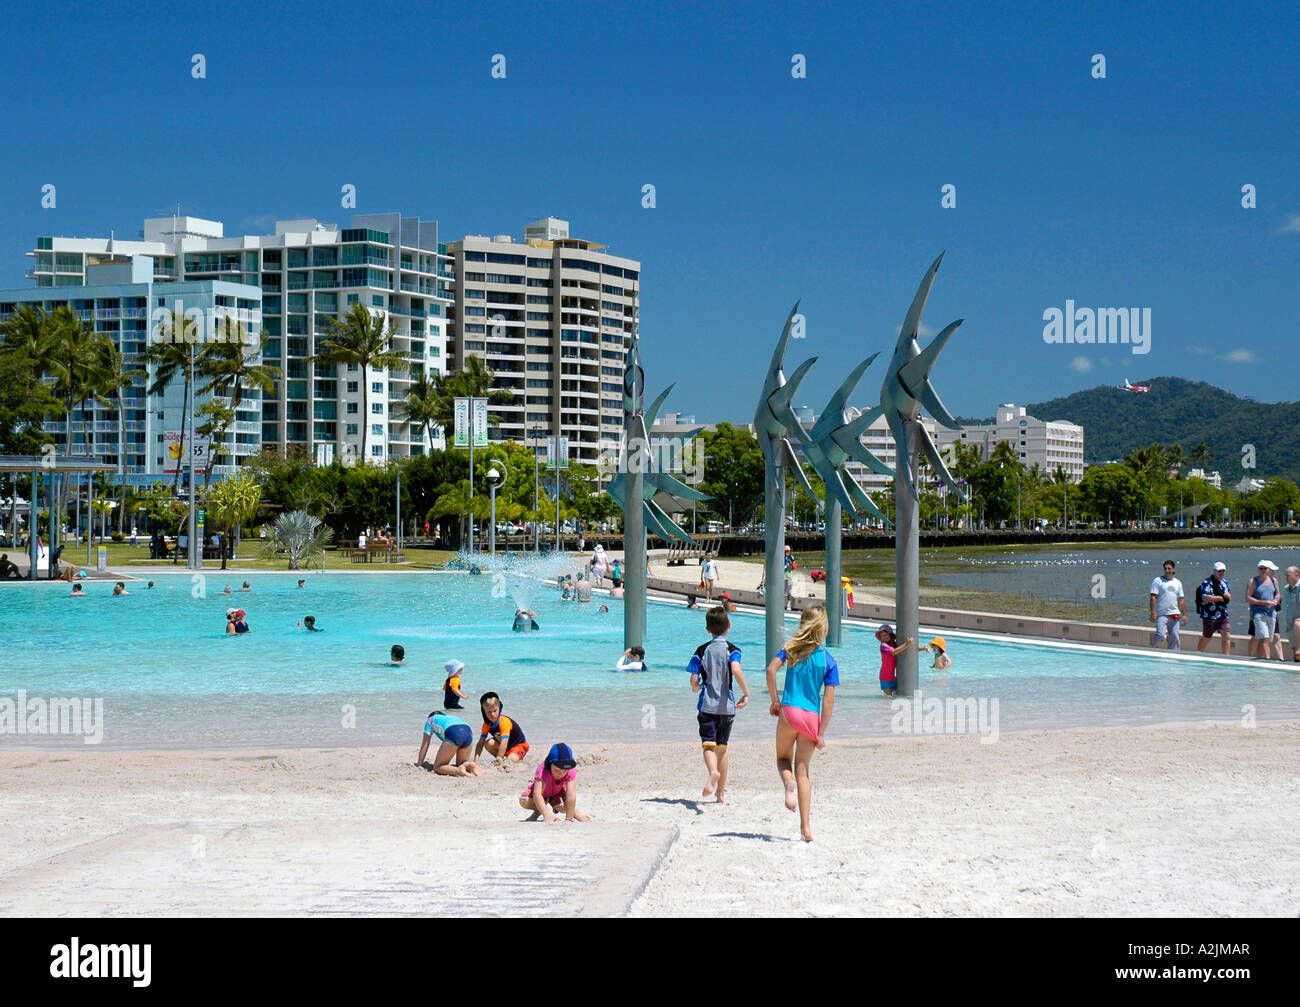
{"x":501,"y":736}
{"x":456,"y":738}
{"x":555,"y":785}
{"x":804,"y":710}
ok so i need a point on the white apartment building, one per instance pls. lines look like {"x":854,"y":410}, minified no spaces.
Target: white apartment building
{"x":119,"y":299}
{"x":1049,"y":444}
{"x":552,"y":317}
{"x":308,"y":271}
{"x":1213,"y":478}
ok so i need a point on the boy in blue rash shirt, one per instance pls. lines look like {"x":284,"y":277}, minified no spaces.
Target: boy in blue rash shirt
{"x":713,"y":668}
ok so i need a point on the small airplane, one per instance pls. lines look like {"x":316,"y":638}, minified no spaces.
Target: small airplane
{"x":1135,"y":388}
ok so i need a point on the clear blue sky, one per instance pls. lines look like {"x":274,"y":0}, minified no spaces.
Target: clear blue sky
{"x":1122,"y":192}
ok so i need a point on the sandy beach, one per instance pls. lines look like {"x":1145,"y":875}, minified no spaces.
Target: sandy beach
{"x":1186,"y":820}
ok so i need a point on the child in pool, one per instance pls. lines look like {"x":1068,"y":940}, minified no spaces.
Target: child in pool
{"x":633,"y":659}
{"x":939,"y":648}
{"x":451,"y":691}
{"x":889,"y":651}
{"x":554,"y":785}
{"x":501,"y":736}
{"x":804,"y":710}
{"x":398,"y":654}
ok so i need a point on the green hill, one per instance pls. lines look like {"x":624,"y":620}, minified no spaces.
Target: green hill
{"x":1115,"y":422}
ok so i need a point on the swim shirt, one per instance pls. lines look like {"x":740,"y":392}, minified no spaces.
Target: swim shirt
{"x":439,"y":723}
{"x":888,"y":663}
{"x":712,"y":662}
{"x":804,"y":681}
{"x":450,"y":698}
{"x":551,"y":787}
{"x":503,"y":725}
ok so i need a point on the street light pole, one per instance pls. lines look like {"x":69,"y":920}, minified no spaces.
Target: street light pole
{"x":195,"y":558}
{"x":492,"y":532}
{"x":537,"y":481}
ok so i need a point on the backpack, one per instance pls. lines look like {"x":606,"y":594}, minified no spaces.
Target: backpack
{"x":1199,"y":610}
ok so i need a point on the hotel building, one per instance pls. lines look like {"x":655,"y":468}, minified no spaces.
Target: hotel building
{"x":1049,"y":444}
{"x":552,"y":317}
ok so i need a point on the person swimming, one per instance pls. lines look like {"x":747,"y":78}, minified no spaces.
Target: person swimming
{"x":525,"y":621}
{"x":120,"y":589}
{"x":633,"y":659}
{"x":309,"y":624}
{"x":235,"y":621}
{"x":398,"y":654}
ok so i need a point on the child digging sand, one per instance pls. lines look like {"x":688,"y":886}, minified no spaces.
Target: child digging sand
{"x":555,"y":785}
{"x":501,"y":736}
{"x":712,"y":668}
{"x":455,"y":738}
{"x":804,"y":710}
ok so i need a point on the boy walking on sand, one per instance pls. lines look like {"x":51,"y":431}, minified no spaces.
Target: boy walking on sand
{"x":713,"y":667}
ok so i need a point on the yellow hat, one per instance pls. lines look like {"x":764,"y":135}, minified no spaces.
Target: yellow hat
{"x":939,"y":642}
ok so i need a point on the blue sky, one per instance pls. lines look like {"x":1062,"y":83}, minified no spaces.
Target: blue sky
{"x":1116,"y":192}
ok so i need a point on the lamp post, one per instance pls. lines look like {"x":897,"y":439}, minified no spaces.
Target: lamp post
{"x":492,"y":477}
{"x":535,"y":434}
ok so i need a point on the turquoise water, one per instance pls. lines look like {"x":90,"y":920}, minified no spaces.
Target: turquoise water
{"x":170,"y":677}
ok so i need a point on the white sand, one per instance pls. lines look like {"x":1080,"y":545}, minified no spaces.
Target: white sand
{"x":1188,"y":820}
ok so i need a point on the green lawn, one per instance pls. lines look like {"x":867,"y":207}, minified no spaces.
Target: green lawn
{"x":123,"y":556}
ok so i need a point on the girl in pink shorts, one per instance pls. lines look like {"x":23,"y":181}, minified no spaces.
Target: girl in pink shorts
{"x":804,"y":710}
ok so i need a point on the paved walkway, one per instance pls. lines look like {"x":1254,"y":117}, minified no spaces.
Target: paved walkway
{"x":344,"y":868}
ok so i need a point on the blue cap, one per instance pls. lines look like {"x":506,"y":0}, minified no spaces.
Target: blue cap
{"x":561,"y":755}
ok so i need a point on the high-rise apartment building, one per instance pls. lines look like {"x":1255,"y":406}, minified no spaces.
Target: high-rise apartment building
{"x":552,"y":317}
{"x":308,"y":272}
{"x":120,"y":300}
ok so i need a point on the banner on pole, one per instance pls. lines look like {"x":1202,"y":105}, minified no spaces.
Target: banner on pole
{"x":563,"y":454}
{"x":480,"y":423}
{"x":461,"y":435}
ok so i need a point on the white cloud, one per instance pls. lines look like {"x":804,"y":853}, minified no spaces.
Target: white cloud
{"x":1239,"y":356}
{"x":1081,"y":365}
{"x":1292,"y":225}
{"x":1200,"y":350}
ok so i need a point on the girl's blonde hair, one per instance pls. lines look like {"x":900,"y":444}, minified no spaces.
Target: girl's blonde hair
{"x":808,"y":637}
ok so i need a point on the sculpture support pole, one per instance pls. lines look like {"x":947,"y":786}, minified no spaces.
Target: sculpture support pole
{"x":634,"y":544}
{"x":834,"y":596}
{"x":907,"y":532}
{"x":774,"y":561}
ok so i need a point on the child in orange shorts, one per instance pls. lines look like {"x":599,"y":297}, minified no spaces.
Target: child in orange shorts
{"x":501,"y":736}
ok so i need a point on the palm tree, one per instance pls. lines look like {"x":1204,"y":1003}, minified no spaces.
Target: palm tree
{"x":1201,"y":455}
{"x":70,"y":358}
{"x":360,"y":340}
{"x":420,"y":406}
{"x":170,"y":354}
{"x":1174,"y":456}
{"x":300,"y":535}
{"x":229,"y":366}
{"x":113,"y":377}
{"x":473,"y":380}
{"x":231,"y":503}
{"x":1150,"y":467}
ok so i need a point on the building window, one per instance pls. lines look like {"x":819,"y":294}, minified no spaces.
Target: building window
{"x":352,"y":407}
{"x":377,"y":450}
{"x":377,"y":408}
{"x":377,"y":387}
{"x":351,"y":429}
{"x":376,"y":430}
{"x":352,"y":387}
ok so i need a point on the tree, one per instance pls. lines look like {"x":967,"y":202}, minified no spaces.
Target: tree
{"x":233,"y":502}
{"x":360,"y":341}
{"x":1174,"y":456}
{"x":299,"y":535}
{"x":1151,"y":468}
{"x":421,"y":405}
{"x":1201,"y":455}
{"x":1110,"y":490}
{"x":112,"y":378}
{"x":733,"y":473}
{"x":173,"y":352}
{"x":231,"y":369}
{"x":473,"y":380}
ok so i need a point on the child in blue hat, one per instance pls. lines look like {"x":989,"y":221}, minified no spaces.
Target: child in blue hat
{"x":554,"y":785}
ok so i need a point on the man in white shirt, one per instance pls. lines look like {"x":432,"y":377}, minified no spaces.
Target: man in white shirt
{"x":1168,"y":607}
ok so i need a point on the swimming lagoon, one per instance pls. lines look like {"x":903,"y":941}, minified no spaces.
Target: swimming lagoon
{"x":170,"y":677}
